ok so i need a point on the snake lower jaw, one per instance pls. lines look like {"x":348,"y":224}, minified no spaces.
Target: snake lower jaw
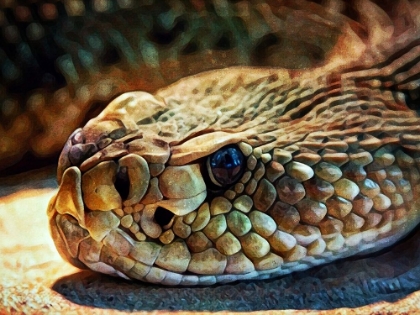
{"x":119,"y":255}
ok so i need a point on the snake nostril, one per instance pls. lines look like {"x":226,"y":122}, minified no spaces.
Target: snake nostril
{"x":122,"y":183}
{"x":163,"y":216}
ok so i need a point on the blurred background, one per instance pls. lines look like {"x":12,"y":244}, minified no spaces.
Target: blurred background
{"x":61,"y":62}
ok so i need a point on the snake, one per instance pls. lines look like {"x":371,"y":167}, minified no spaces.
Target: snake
{"x":245,"y":173}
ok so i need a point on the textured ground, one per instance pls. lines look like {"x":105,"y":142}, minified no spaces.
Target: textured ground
{"x":34,"y":279}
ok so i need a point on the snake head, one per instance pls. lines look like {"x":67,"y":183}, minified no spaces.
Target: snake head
{"x":141,"y":189}
{"x":237,"y":174}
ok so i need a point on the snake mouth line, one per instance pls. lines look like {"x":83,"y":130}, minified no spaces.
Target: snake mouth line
{"x":153,"y":273}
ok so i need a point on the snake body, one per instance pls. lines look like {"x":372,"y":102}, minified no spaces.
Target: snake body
{"x":326,"y":166}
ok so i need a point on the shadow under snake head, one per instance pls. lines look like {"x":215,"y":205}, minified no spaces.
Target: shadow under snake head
{"x":243,"y":173}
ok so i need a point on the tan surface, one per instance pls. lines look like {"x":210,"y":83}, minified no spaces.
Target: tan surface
{"x":30,"y":265}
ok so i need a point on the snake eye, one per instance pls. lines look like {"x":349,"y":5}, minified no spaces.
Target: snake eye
{"x":225,"y":166}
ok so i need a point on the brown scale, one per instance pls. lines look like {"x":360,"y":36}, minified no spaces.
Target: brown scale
{"x":286,"y":216}
{"x":264,"y":196}
{"x":290,"y":190}
{"x":318,"y":189}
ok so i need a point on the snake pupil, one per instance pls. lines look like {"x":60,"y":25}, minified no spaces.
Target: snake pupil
{"x":225,"y":166}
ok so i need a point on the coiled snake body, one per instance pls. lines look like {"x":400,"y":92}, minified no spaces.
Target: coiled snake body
{"x":244,"y":173}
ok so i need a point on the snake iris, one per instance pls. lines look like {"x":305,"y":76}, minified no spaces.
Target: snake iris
{"x":244,"y":173}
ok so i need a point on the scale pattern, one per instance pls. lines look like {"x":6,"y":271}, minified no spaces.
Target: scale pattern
{"x":63,"y":61}
{"x":332,"y":170}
